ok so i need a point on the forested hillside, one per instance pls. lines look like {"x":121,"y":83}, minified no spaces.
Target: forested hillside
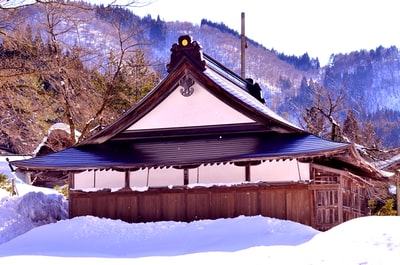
{"x":85,"y":65}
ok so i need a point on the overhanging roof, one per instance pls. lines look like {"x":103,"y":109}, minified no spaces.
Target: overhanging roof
{"x":269,"y":137}
{"x":185,"y":151}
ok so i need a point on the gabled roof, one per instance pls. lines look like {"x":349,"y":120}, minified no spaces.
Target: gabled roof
{"x":187,"y":70}
{"x":263,"y":135}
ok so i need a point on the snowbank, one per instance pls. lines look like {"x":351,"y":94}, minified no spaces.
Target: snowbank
{"x":18,"y":215}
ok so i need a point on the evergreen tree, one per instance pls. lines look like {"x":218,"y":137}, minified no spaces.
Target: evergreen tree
{"x":350,"y":128}
{"x":158,"y":32}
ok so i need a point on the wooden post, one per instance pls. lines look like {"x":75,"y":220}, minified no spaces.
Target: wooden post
{"x":247,"y":172}
{"x":71,"y":180}
{"x":340,"y":191}
{"x":94,"y":178}
{"x":127,"y":178}
{"x":185,"y":176}
{"x":71,"y":186}
{"x":14,"y":190}
{"x":242,"y":49}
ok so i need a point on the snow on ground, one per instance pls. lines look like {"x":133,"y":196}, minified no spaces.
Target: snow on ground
{"x":34,"y":228}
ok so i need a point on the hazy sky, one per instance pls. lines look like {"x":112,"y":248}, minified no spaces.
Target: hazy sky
{"x":318,"y":27}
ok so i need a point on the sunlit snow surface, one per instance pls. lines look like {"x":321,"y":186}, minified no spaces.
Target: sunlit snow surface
{"x":30,"y":232}
{"x":34,"y":229}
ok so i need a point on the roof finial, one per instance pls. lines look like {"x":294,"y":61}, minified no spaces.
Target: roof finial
{"x":189,"y":48}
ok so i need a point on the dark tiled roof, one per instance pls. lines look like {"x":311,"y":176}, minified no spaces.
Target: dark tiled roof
{"x":181,"y":151}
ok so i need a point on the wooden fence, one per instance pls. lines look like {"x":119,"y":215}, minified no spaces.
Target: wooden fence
{"x":284,"y":201}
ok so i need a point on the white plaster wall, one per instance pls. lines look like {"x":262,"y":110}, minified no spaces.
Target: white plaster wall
{"x":201,"y":108}
{"x":267,"y":171}
{"x":100,"y":179}
{"x":227,"y":173}
{"x":156,"y":177}
{"x":289,"y":170}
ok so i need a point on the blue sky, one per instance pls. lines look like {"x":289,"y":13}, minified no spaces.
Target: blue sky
{"x":318,"y":27}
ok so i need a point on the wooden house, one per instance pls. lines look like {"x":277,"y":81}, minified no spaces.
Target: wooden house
{"x":203,"y":145}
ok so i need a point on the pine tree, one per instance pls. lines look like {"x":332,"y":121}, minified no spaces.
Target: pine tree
{"x":351,"y":129}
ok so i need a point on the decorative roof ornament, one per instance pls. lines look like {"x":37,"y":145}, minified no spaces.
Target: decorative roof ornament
{"x":189,"y":48}
{"x":186,"y":83}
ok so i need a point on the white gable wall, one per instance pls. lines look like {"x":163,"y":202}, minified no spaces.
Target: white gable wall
{"x":205,"y":174}
{"x":200,"y":109}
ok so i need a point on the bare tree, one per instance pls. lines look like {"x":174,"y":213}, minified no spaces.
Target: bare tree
{"x":119,"y":62}
{"x":82,"y":82}
{"x":322,"y":117}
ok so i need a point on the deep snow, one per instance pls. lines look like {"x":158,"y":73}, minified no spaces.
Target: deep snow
{"x":34,"y":228}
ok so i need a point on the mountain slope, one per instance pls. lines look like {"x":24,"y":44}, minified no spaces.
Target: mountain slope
{"x":370,"y":79}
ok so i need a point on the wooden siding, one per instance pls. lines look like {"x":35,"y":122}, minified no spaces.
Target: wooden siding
{"x":284,"y":201}
{"x":330,"y":198}
{"x":339,"y":196}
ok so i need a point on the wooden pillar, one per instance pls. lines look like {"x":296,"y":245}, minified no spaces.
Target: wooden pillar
{"x":127,"y":178}
{"x":71,"y":186}
{"x":71,"y":180}
{"x":185,"y":176}
{"x":247,"y":172}
{"x":340,"y":199}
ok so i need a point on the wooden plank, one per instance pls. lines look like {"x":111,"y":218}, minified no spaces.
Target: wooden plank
{"x":80,"y":206}
{"x":340,"y":201}
{"x":298,"y":206}
{"x":173,"y":206}
{"x":313,"y":209}
{"x":100,"y":206}
{"x":149,"y":207}
{"x":273,"y":203}
{"x":197,"y":205}
{"x":324,"y":187}
{"x":111,"y":206}
{"x":246,"y":203}
{"x":222,"y":205}
{"x":127,"y":207}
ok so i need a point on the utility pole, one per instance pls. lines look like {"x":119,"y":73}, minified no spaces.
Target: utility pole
{"x":243,"y":75}
{"x":243,"y":49}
